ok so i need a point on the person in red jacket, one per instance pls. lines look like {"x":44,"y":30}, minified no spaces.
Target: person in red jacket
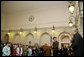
{"x":14,"y":50}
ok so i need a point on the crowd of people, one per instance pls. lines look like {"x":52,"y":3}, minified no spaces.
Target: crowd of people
{"x":76,"y":48}
{"x":10,"y":49}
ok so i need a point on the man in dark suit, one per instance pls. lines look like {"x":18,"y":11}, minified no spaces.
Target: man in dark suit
{"x":77,"y":44}
{"x":55,"y":46}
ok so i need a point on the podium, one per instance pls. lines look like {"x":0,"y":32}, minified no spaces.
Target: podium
{"x":47,"y":49}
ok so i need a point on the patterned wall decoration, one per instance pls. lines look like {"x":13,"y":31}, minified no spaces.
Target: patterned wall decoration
{"x":16,"y":38}
{"x":6,"y":38}
{"x":29,"y":37}
{"x":44,"y":38}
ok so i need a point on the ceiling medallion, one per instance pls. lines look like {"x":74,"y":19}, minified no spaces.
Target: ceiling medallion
{"x":31,"y":18}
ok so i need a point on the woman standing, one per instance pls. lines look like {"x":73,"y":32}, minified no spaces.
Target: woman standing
{"x":25,"y":50}
{"x":14,"y":50}
{"x":29,"y":51}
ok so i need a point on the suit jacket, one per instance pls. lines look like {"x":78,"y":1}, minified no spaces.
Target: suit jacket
{"x":77,"y":45}
{"x":55,"y":45}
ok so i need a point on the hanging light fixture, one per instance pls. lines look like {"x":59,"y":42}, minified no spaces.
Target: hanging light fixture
{"x":53,"y":30}
{"x":70,"y":23}
{"x":71,"y":7}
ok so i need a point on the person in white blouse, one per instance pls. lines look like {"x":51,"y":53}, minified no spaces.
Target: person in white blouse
{"x":19,"y":50}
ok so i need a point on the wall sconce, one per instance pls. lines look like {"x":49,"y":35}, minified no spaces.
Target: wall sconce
{"x":21,"y":30}
{"x":35,"y":30}
{"x":9,"y":32}
{"x":71,"y":7}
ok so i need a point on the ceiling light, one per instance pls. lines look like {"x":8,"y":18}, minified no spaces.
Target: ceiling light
{"x":71,"y":7}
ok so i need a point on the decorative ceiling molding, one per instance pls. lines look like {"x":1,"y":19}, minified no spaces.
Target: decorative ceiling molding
{"x":31,"y":18}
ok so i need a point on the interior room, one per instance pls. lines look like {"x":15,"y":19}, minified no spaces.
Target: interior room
{"x":37,"y":22}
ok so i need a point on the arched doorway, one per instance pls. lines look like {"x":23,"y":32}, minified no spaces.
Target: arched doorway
{"x":29,"y":39}
{"x":44,"y":38}
{"x":64,"y":39}
{"x":6,"y":38}
{"x":16,"y":38}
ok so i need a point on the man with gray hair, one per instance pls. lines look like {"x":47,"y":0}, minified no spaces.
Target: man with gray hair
{"x":74,"y":30}
{"x":77,"y":44}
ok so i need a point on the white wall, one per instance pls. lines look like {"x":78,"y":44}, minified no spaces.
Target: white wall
{"x":2,"y":20}
{"x":46,"y":17}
